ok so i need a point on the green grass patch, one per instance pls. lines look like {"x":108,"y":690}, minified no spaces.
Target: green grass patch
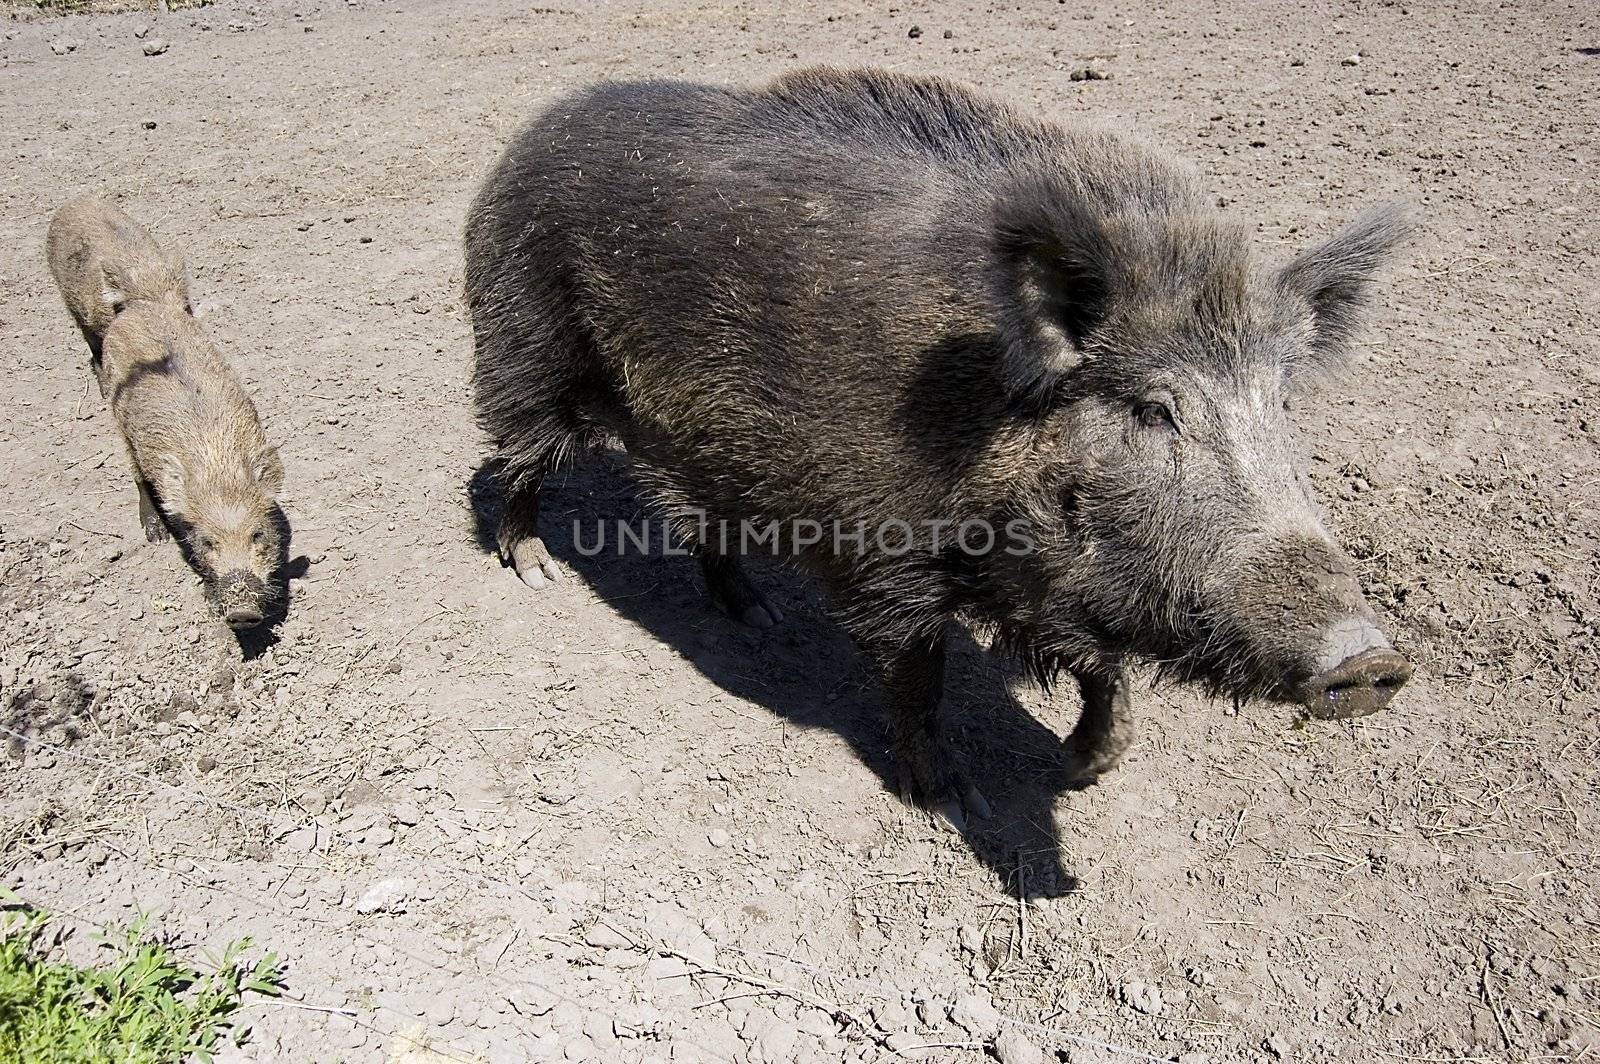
{"x":141,"y":1004}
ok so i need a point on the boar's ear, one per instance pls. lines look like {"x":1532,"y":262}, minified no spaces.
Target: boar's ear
{"x":1335,"y":277}
{"x":1053,"y":273}
{"x":268,"y":468}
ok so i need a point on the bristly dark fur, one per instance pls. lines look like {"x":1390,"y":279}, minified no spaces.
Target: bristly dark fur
{"x":859,"y":296}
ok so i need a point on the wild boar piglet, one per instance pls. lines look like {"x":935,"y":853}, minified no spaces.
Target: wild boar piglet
{"x":199,"y":454}
{"x":101,"y":260}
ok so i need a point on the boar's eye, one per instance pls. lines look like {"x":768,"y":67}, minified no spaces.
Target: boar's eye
{"x":258,"y":537}
{"x":206,"y":542}
{"x":1153,"y":413}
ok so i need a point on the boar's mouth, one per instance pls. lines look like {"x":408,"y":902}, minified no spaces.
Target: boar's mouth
{"x":1359,"y":686}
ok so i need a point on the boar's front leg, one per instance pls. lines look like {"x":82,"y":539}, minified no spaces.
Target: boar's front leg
{"x":518,"y":538}
{"x":155,"y":528}
{"x":733,"y":591}
{"x":1105,"y":730}
{"x":912,"y":676}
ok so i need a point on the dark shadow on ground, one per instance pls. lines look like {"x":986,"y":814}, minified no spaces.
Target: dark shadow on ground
{"x":57,"y":709}
{"x":807,"y":669}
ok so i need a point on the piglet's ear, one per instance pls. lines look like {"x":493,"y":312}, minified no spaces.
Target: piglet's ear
{"x":1053,"y":274}
{"x":178,"y":273}
{"x":1335,"y":278}
{"x":112,"y":290}
{"x":268,"y":469}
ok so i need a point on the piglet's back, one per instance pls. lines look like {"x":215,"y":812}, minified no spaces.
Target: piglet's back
{"x":172,"y":392}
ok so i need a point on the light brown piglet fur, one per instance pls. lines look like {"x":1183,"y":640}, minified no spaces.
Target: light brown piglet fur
{"x":198,"y":451}
{"x":102,"y":260}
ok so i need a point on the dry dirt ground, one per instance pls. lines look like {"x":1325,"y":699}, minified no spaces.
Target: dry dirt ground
{"x":604,"y":823}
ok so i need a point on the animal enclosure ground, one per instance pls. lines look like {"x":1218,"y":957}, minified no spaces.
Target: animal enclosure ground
{"x":602,"y":822}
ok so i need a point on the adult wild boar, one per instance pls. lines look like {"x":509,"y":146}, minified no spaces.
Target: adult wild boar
{"x":859,"y":299}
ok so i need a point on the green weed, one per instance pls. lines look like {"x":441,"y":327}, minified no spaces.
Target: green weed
{"x":142,"y":1005}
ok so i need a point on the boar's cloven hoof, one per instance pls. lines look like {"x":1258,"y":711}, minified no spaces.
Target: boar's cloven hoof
{"x":952,"y":814}
{"x":533,"y":564}
{"x":760,"y":615}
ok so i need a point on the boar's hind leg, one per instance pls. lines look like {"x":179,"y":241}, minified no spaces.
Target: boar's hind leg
{"x":155,"y":529}
{"x":912,"y":676}
{"x":518,"y":538}
{"x":732,"y":591}
{"x":1105,"y":730}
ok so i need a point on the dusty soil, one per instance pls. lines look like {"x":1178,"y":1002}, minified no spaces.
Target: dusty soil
{"x":604,"y":823}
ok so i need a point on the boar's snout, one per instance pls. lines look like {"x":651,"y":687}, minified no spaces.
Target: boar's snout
{"x":1301,"y":615}
{"x":242,"y":596}
{"x":1358,"y":672}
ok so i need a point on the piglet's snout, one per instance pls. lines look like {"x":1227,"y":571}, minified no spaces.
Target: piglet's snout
{"x":1358,"y":672}
{"x":243,"y":597}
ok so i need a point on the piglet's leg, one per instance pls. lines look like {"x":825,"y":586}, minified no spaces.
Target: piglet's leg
{"x":155,"y":529}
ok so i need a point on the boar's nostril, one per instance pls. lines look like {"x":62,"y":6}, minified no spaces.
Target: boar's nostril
{"x":1360,"y":685}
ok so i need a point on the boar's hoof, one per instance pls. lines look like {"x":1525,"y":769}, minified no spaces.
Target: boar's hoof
{"x":929,"y":779}
{"x":733,"y":593}
{"x":1091,"y":755}
{"x":950,"y":816}
{"x":952,"y":813}
{"x":540,"y":575}
{"x":533,"y":563}
{"x":761,"y":615}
